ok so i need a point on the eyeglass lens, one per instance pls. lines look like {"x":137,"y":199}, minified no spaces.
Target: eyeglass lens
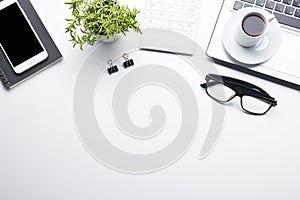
{"x":219,"y":91}
{"x":254,"y":105}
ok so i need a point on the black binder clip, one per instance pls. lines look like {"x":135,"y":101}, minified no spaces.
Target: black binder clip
{"x":112,"y":68}
{"x":127,"y":63}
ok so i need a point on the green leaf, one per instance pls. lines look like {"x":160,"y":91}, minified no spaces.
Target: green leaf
{"x":93,"y":18}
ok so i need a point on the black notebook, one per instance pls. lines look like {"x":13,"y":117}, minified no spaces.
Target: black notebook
{"x":7,"y":75}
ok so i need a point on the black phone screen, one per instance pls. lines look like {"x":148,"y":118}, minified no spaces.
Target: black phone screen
{"x":16,"y":36}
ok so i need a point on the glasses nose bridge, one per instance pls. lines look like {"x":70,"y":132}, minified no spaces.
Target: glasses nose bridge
{"x":238,"y":91}
{"x":239,"y":94}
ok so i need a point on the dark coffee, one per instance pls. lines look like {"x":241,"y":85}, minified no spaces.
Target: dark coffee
{"x":253,"y":25}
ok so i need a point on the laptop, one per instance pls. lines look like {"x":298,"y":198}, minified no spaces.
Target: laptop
{"x":284,"y":66}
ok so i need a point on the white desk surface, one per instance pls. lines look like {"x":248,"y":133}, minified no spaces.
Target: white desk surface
{"x":41,"y":156}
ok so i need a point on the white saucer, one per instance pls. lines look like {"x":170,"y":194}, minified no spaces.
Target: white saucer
{"x":253,"y":55}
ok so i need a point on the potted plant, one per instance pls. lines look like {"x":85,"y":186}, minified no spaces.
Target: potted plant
{"x":99,"y":19}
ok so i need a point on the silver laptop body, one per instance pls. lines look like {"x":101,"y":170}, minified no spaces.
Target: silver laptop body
{"x":282,"y":68}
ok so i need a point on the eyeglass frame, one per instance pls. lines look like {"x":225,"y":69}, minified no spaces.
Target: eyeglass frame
{"x":241,"y":89}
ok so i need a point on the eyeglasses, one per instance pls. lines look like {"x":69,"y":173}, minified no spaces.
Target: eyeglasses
{"x":254,"y":100}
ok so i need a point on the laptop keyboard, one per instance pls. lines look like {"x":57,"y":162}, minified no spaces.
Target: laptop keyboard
{"x":176,"y":15}
{"x":287,"y":12}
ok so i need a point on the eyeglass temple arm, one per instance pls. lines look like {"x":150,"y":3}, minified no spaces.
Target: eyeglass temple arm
{"x":233,"y":80}
{"x":274,"y":102}
{"x":256,"y":91}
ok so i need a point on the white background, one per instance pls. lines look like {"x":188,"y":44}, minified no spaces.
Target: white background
{"x":41,"y":156}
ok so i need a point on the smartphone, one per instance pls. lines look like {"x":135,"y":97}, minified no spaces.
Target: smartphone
{"x":18,"y":40}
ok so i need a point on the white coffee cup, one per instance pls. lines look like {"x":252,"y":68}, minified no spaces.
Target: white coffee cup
{"x":253,"y":27}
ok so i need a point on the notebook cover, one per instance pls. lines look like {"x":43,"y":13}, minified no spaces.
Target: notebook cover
{"x":8,"y":77}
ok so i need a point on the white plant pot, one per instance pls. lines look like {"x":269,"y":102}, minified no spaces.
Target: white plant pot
{"x":105,"y":39}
